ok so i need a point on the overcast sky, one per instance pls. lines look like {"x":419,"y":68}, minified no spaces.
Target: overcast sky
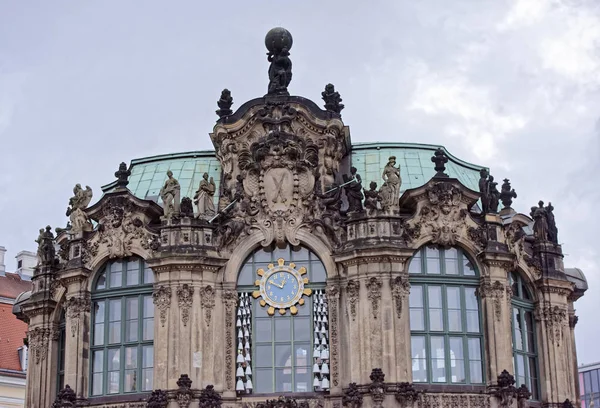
{"x":510,"y":84}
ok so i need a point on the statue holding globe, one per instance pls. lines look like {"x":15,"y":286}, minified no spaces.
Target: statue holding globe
{"x":279,"y":42}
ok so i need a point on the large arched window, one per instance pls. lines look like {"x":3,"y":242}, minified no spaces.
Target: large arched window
{"x":445,"y":322}
{"x":524,"y":336}
{"x":282,"y":352}
{"x":122,"y":351}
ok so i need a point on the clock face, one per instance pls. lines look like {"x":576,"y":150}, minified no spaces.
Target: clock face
{"x":281,"y":287}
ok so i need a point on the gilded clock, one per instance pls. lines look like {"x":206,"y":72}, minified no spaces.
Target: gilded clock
{"x":281,"y":287}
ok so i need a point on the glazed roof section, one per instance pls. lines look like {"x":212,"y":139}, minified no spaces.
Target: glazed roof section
{"x":148,"y":174}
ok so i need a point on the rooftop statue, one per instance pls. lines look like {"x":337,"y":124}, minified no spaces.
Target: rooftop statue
{"x":224,"y":103}
{"x":372,"y":198}
{"x":332,"y":99}
{"x":122,"y":175}
{"x":390,"y":190}
{"x":353,"y":190}
{"x":204,"y":197}
{"x":490,"y":196}
{"x":279,"y":42}
{"x":507,"y":194}
{"x":494,"y":194}
{"x":169,"y":194}
{"x":79,"y":202}
{"x":46,"y":251}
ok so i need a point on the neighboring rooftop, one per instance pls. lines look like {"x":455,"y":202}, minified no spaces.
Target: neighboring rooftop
{"x":148,"y":174}
{"x":11,"y":286}
{"x":11,"y":338}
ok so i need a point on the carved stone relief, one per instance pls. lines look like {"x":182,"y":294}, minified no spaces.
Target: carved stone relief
{"x":185,"y":297}
{"x":374,"y":294}
{"x":162,"y":300}
{"x":352,"y":292}
{"x":230,"y":299}
{"x":207,"y":297}
{"x":555,"y":318}
{"x":333,"y":295}
{"x":400,"y":289}
{"x":76,"y":308}
{"x":496,"y":292}
{"x":38,"y":343}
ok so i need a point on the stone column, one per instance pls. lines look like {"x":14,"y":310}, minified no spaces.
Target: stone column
{"x":161,"y":295}
{"x":77,"y":337}
{"x":554,"y":337}
{"x":400,"y":337}
{"x":495,"y":303}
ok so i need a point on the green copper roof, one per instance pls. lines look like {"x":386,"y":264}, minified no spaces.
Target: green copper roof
{"x":148,"y":174}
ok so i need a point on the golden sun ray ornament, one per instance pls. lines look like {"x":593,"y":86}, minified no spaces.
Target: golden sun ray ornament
{"x":281,"y":287}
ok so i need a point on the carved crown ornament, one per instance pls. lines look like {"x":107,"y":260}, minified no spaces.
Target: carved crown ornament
{"x":441,"y":213}
{"x":280,"y":164}
{"x":121,"y":225}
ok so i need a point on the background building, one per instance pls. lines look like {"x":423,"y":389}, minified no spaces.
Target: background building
{"x":265,"y":274}
{"x":589,"y":385}
{"x":13,"y":353}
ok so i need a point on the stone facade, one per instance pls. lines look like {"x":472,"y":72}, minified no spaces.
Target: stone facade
{"x":282,"y":162}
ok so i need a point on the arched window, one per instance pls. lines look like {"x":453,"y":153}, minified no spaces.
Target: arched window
{"x":524,"y":336}
{"x":122,"y":351}
{"x":60,"y":384}
{"x":445,"y":323}
{"x":278,"y":350}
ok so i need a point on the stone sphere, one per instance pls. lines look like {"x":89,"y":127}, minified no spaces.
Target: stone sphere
{"x":277,"y":38}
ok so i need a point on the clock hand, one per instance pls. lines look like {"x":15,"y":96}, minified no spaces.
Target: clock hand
{"x":273,"y":283}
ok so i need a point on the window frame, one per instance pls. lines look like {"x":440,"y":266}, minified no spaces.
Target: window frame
{"x":139,"y":291}
{"x":62,"y":340}
{"x":425,"y":279}
{"x":311,"y":259}
{"x":523,"y":305}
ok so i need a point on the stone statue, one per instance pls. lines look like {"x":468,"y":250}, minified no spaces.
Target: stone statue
{"x":122,"y":175}
{"x":552,"y":230}
{"x":204,"y":197}
{"x":540,"y":224}
{"x":170,"y":195}
{"x":224,"y":103}
{"x":279,"y":41}
{"x":494,"y":194}
{"x":390,"y":190}
{"x":79,"y":202}
{"x":332,"y":99}
{"x":507,"y":194}
{"x":372,"y":198}
{"x":484,"y":190}
{"x":440,"y":159}
{"x":354,"y":191}
{"x":46,"y":251}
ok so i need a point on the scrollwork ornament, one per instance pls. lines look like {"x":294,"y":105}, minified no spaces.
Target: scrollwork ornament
{"x":38,"y":343}
{"x":374,"y":294}
{"x":352,"y":291}
{"x":400,"y":289}
{"x":162,"y":299}
{"x":352,"y":397}
{"x":208,"y":303}
{"x":496,"y":292}
{"x":555,"y":318}
{"x":185,"y":298}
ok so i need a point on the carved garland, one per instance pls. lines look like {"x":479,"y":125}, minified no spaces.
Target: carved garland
{"x":400,"y":289}
{"x":208,"y":303}
{"x":333,"y":294}
{"x":374,"y":294}
{"x":555,"y":318}
{"x":185,"y":298}
{"x":76,"y":307}
{"x":230,"y":298}
{"x":162,"y":300}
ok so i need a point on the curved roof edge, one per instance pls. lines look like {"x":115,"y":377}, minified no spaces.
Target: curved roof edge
{"x":388,"y":145}
{"x":577,"y":276}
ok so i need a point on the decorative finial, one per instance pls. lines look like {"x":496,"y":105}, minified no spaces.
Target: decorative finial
{"x":279,"y":42}
{"x":332,"y":99}
{"x":507,"y":194}
{"x":224,"y":103}
{"x":122,"y":175}
{"x":440,"y":159}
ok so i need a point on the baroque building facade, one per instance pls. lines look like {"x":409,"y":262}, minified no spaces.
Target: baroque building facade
{"x":264,"y":274}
